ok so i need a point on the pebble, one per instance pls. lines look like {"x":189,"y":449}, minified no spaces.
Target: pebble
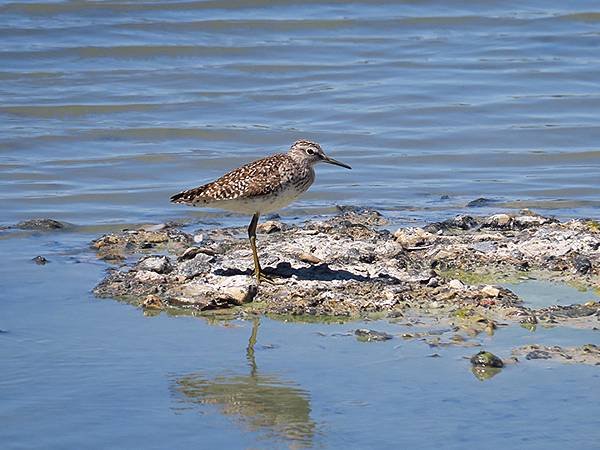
{"x":308,"y":258}
{"x":456,"y":284}
{"x":490,"y":291}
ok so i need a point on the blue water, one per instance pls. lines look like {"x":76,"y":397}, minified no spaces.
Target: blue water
{"x":109,"y":107}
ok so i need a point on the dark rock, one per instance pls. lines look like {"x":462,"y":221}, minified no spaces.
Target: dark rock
{"x":199,"y":264}
{"x":365,"y":335}
{"x":41,"y":225}
{"x":40,"y":260}
{"x":582,"y":264}
{"x":460,"y":222}
{"x":486,"y":359}
{"x":480,"y":202}
{"x":570,"y":311}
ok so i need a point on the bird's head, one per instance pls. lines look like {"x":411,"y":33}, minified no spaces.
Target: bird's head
{"x":312,"y":153}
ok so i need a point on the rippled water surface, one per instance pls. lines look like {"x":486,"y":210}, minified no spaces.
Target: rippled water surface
{"x":109,"y":107}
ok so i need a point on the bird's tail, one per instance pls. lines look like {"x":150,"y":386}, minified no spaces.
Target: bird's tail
{"x":186,"y":197}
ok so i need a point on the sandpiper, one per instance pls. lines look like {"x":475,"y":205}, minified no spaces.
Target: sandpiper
{"x":261,"y":186}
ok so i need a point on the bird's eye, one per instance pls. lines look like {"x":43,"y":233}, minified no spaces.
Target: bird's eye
{"x":310,"y":151}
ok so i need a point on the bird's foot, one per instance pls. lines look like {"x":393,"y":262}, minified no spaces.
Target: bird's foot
{"x":261,"y":276}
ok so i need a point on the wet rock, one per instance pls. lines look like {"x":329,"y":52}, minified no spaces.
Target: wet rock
{"x":585,"y":354}
{"x":115,"y":246}
{"x":486,"y":359}
{"x":538,"y":354}
{"x":582,"y":264}
{"x":480,"y":202}
{"x":460,"y":222}
{"x":154,"y":263}
{"x":365,"y":335}
{"x":364,"y":216}
{"x":40,"y":260}
{"x":41,"y":225}
{"x":152,"y":301}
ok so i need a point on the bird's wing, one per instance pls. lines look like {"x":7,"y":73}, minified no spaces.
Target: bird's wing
{"x":251,"y":180}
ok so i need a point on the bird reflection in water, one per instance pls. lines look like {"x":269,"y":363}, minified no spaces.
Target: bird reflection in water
{"x":276,"y":408}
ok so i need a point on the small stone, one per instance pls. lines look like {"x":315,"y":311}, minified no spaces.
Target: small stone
{"x":413,"y":237}
{"x":199,"y":264}
{"x":490,"y":291}
{"x":365,"y":335}
{"x":308,"y":258}
{"x":433,"y":282}
{"x":486,"y":359}
{"x":148,"y":276}
{"x":498,"y":221}
{"x":191,"y":252}
{"x":456,"y":284}
{"x":152,"y":301}
{"x":582,"y":264}
{"x":158,"y":264}
{"x":241,"y":294}
{"x":40,"y":260}
{"x":270,"y":226}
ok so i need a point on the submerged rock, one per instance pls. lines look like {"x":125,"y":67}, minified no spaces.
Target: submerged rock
{"x":40,"y":260}
{"x":365,"y":335}
{"x":585,"y":354}
{"x":486,"y":359}
{"x":41,"y":225}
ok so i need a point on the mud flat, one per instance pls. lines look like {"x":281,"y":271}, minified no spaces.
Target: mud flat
{"x":351,"y":266}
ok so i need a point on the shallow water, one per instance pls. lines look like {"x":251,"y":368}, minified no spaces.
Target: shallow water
{"x":540,"y":293}
{"x":82,"y":372}
{"x":109,"y":107}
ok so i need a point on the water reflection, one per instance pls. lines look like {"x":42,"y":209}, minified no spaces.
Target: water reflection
{"x":276,"y":408}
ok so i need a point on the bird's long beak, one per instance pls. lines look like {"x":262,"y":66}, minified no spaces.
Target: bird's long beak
{"x":335,"y":162}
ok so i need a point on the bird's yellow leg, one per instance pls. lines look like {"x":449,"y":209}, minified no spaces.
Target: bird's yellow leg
{"x":258,"y":273}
